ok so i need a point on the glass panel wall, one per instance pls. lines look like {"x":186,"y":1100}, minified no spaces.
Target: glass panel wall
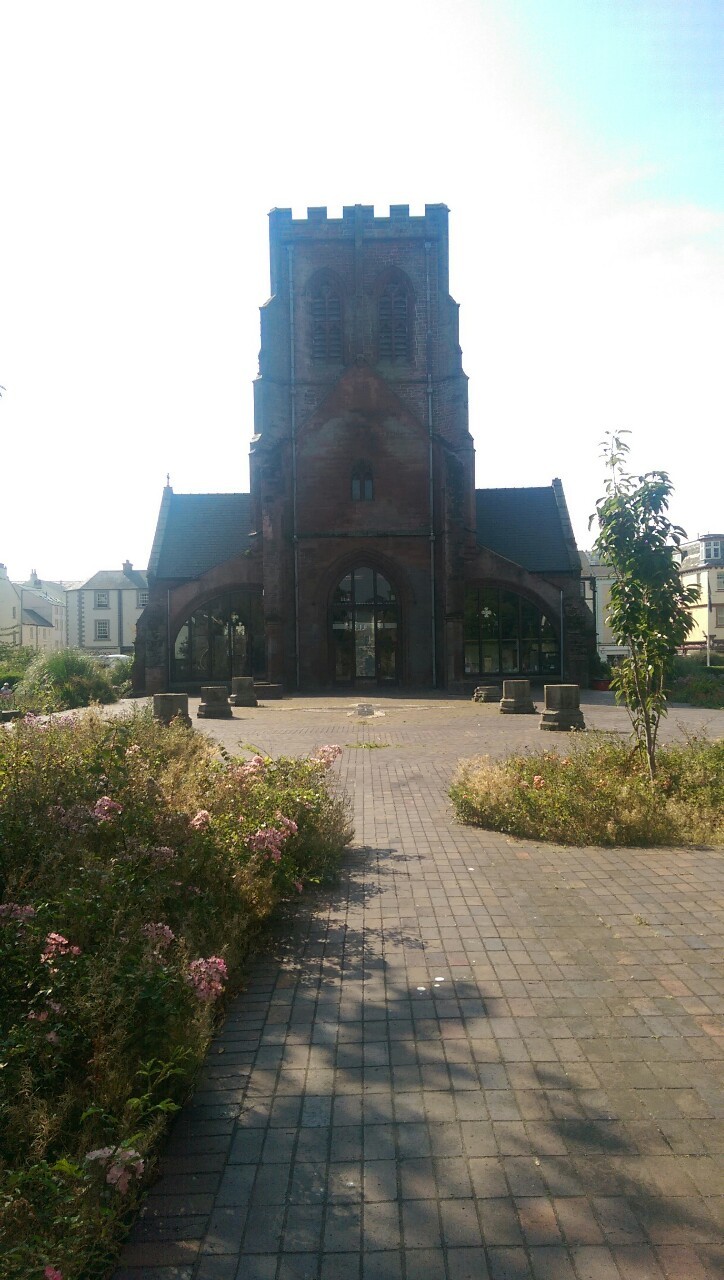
{"x":364,"y":626}
{"x":224,"y":638}
{"x":507,"y":634}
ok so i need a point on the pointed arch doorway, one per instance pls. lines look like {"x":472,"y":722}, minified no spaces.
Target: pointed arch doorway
{"x":364,"y":628}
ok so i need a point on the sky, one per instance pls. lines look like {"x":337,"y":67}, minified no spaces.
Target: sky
{"x":579,"y":145}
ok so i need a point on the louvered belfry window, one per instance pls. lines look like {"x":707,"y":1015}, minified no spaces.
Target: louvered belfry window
{"x":394,"y":320}
{"x":326,"y":323}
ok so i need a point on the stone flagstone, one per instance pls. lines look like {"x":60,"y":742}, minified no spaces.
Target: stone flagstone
{"x":474,"y":1057}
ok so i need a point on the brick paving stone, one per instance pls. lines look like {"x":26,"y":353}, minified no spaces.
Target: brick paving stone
{"x":469,"y":1058}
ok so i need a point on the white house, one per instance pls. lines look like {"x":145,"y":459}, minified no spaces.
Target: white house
{"x":103,"y":612}
{"x":44,"y":613}
{"x":702,"y":565}
{"x":597,"y":578}
{"x":10,"y":610}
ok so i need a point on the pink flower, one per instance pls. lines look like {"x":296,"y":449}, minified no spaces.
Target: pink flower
{"x":159,"y":934}
{"x":288,"y":824}
{"x":12,"y":911}
{"x":268,"y":840}
{"x":538,"y":782}
{"x":201,"y":820}
{"x":56,"y":945}
{"x":207,"y":977}
{"x":38,"y":1017}
{"x":122,"y":1164}
{"x":251,"y":768}
{"x":298,"y":886}
{"x":327,"y":755}
{"x":105,"y":808}
{"x":52,"y":1273}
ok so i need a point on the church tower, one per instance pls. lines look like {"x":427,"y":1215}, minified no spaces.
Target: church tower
{"x":362,"y":464}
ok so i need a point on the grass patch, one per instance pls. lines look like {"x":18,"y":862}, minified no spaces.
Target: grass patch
{"x":136,"y":868}
{"x":598,"y":793}
{"x":367,"y":746}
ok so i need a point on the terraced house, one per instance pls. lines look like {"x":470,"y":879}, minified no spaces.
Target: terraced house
{"x":363,"y":554}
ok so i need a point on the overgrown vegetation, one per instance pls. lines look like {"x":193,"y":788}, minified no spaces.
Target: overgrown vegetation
{"x":599,"y":793}
{"x":650,"y":605}
{"x":693,"y":682}
{"x":14,"y":660}
{"x":68,"y":678}
{"x":135,"y":870}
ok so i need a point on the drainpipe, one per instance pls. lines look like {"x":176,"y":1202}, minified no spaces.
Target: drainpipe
{"x":430,"y":419}
{"x":293,"y":423}
{"x":562,"y":676}
{"x":168,"y":637}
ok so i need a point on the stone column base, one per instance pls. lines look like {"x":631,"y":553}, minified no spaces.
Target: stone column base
{"x":214,"y":704}
{"x":563,"y":720}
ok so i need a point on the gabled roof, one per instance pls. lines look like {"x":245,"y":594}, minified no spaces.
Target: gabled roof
{"x":116,"y":580}
{"x":196,"y":531}
{"x":527,"y":526}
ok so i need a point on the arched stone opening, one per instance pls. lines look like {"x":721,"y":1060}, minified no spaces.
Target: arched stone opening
{"x":220,"y":638}
{"x":508,"y":634}
{"x":364,"y":629}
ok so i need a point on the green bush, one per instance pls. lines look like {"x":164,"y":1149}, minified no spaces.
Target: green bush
{"x":703,"y":689}
{"x":692,"y":664}
{"x":598,"y":793}
{"x":63,"y":680}
{"x":14,"y":661}
{"x":136,"y":868}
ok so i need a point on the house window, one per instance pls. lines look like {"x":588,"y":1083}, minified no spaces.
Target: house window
{"x":100,"y":600}
{"x":711,"y":550}
{"x":719,"y":584}
{"x":326,"y":323}
{"x":102,"y":629}
{"x":362,"y":483}
{"x":719,"y":615}
{"x":141,"y":599}
{"x":394,"y":323}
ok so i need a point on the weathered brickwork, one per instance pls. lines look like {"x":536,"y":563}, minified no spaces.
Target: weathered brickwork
{"x":362,"y":458}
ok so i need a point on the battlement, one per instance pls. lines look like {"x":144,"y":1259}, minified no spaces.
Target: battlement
{"x":358,"y":217}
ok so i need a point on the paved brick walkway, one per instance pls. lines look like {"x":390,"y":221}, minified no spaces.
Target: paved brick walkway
{"x":475,"y":1057}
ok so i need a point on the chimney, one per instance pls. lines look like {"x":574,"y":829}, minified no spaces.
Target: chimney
{"x":127,"y":567}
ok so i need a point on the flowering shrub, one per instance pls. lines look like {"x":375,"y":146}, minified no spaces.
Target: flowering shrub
{"x":207,"y":977}
{"x":135,"y":870}
{"x":598,"y":794}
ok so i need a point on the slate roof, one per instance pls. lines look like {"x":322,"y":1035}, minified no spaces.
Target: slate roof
{"x":116,"y":580}
{"x":526,"y":526}
{"x":33,"y":619}
{"x":196,"y":531}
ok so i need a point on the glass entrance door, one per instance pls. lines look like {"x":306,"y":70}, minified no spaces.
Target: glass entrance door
{"x":364,"y":626}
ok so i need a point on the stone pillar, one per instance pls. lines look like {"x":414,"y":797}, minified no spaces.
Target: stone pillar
{"x":487,"y":693}
{"x":266,"y":690}
{"x":516,"y":699}
{"x":274,"y":649}
{"x":170,"y":706}
{"x":242,"y":691}
{"x":562,"y":708}
{"x":214,"y":703}
{"x":454,"y":650}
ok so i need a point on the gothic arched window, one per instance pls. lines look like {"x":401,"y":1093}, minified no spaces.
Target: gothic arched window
{"x":326,"y":321}
{"x":363,"y":489}
{"x":394,"y":322}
